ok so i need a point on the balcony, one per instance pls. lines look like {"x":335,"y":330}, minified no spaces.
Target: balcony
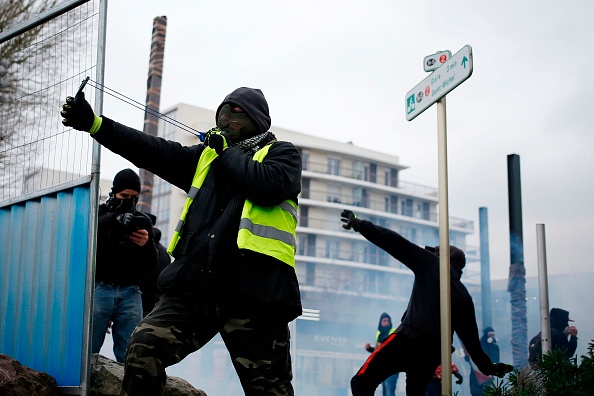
{"x":404,"y":187}
{"x":378,"y":205}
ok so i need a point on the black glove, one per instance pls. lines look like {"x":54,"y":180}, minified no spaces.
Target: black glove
{"x":500,"y":369}
{"x":459,"y":377}
{"x":125,"y":219}
{"x":350,"y":220}
{"x":78,"y":113}
{"x":217,"y":140}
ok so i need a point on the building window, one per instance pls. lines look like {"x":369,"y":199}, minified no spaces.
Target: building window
{"x":357,"y":170}
{"x":303,"y":216}
{"x":305,"y":187}
{"x":304,"y":160}
{"x":373,"y":173}
{"x":333,"y":194}
{"x":406,"y":207}
{"x":391,"y":204}
{"x":311,"y":245}
{"x":423,"y":211}
{"x":391,"y":177}
{"x":334,"y":166}
{"x":306,"y":245}
{"x":332,"y":248}
{"x":361,"y":197}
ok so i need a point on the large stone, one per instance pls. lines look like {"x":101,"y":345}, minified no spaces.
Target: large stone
{"x":18,"y":380}
{"x":107,"y":375}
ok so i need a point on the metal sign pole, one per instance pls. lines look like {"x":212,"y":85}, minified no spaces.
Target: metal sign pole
{"x":543,"y":289}
{"x":444,"y":251}
{"x":453,"y":71}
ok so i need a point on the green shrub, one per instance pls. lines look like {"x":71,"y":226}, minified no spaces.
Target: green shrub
{"x":554,"y":375}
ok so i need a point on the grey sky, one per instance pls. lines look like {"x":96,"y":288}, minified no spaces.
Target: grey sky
{"x":341,"y":69}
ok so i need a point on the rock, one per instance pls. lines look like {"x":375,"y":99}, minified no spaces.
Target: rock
{"x":18,"y":380}
{"x":107,"y":375}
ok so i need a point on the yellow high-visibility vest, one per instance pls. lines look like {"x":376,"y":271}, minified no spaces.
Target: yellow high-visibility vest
{"x":269,"y":230}
{"x":377,"y":336}
{"x":206,"y":158}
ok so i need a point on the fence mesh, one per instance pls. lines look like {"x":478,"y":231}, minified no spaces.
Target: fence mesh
{"x":38,"y":69}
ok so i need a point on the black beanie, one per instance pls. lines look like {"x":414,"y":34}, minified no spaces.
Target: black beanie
{"x":126,"y":179}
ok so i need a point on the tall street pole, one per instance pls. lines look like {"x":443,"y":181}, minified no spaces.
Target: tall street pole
{"x":517,"y":272}
{"x":153,"y":97}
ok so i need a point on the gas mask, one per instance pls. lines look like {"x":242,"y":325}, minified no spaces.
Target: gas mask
{"x":119,"y":205}
{"x":227,"y":117}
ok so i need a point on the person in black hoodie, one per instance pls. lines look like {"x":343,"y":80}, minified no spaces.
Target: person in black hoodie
{"x":384,"y":329}
{"x":563,"y":336}
{"x":489,"y":344}
{"x":125,"y":253}
{"x":478,"y":381}
{"x":415,"y":345}
{"x":234,"y":247}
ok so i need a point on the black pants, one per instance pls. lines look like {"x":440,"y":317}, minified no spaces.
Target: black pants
{"x":398,"y":353}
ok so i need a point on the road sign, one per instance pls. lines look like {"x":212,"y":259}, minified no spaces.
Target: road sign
{"x":439,"y":83}
{"x":432,"y":62}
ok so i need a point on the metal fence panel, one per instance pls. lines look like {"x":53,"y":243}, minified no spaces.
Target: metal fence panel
{"x":49,"y":181}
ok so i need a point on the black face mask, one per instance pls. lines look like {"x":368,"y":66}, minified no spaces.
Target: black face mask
{"x":118,"y":205}
{"x":228,"y":116}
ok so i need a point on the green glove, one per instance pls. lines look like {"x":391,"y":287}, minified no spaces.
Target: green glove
{"x":350,"y":220}
{"x":217,"y":140}
{"x":78,"y":114}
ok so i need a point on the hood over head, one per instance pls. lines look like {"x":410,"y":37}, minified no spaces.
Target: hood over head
{"x":487,"y":330}
{"x":253,"y":103}
{"x":457,"y":256}
{"x":559,"y":318}
{"x":384,"y":315}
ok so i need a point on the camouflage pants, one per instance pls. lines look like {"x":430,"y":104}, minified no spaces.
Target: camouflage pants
{"x":259,"y":350}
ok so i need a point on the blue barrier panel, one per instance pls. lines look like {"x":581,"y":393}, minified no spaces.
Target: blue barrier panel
{"x":43,"y":270}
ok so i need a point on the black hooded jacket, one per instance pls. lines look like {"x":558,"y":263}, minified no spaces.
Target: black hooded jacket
{"x":383,"y":331}
{"x":120,"y":261}
{"x":209,"y":269}
{"x":559,"y":322}
{"x":422,"y":318}
{"x":489,"y":345}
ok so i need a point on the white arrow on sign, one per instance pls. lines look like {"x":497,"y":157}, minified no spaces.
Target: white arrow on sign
{"x":439,"y":83}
